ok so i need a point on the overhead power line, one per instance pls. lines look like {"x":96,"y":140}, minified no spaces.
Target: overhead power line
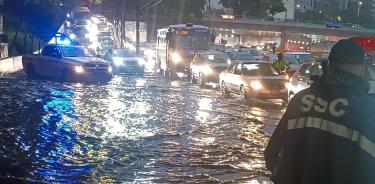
{"x":152,"y":5}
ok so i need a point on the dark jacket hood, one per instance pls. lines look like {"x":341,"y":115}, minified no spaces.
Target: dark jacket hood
{"x":340,"y":83}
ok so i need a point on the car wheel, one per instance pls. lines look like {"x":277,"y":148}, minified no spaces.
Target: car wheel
{"x":201,"y":81}
{"x":285,"y":102}
{"x":165,"y":73}
{"x":224,"y":89}
{"x":243,"y":93}
{"x":188,"y":77}
{"x":30,"y":71}
{"x":192,"y":78}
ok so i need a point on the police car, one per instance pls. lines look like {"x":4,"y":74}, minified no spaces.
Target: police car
{"x":67,"y":63}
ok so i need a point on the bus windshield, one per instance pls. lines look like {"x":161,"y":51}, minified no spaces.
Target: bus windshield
{"x":194,"y":40}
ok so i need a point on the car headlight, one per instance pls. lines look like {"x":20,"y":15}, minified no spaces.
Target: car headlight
{"x":207,"y":70}
{"x":72,"y":36}
{"x":256,"y":85}
{"x":117,"y":61}
{"x":288,"y":85}
{"x":79,"y":69}
{"x":141,"y":61}
{"x":176,"y":58}
{"x":110,"y":69}
{"x":286,"y":76}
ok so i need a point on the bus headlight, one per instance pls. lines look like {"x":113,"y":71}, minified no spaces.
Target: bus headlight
{"x":256,"y":85}
{"x":117,"y":61}
{"x":110,"y":69}
{"x":79,"y":69}
{"x":207,"y":70}
{"x":176,"y":58}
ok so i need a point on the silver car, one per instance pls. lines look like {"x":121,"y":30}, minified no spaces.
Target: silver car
{"x":207,"y":66}
{"x":301,"y":79}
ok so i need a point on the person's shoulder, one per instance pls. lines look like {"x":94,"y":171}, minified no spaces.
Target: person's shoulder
{"x":300,"y":94}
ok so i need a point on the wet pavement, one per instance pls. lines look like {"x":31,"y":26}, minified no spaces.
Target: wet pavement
{"x":132,"y":130}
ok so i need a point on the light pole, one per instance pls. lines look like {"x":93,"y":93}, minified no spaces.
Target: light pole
{"x":359,"y":10}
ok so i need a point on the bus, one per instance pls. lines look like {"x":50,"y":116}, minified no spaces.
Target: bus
{"x":177,"y":45}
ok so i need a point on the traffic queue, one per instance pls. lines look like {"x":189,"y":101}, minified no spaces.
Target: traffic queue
{"x":86,"y":50}
{"x":252,"y":77}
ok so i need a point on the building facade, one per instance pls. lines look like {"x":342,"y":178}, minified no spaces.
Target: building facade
{"x":290,"y":6}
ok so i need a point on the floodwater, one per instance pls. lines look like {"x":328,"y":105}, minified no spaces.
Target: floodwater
{"x":132,"y":130}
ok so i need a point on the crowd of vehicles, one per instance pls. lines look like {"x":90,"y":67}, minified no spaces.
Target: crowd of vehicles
{"x":181,"y":50}
{"x":84,"y":52}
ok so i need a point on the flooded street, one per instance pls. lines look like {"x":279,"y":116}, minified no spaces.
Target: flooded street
{"x":132,"y":130}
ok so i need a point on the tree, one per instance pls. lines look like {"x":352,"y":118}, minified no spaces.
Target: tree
{"x":257,"y":8}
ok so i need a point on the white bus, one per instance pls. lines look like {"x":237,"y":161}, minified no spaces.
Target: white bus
{"x":177,"y":45}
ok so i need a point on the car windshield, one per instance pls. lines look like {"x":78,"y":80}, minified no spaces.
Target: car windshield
{"x":79,"y":31}
{"x":303,"y":58}
{"x":124,"y":53}
{"x":291,"y":59}
{"x":216,"y":58}
{"x":70,"y":51}
{"x":105,"y":34}
{"x":82,"y":22}
{"x":241,"y":56}
{"x":258,"y":69}
{"x":253,"y":52}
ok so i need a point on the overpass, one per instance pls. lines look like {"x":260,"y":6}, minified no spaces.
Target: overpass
{"x":286,"y":27}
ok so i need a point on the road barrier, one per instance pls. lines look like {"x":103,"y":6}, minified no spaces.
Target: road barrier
{"x":10,"y":65}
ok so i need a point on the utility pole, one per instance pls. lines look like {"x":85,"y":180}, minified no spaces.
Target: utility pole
{"x":359,"y":10}
{"x":137,"y":8}
{"x":123,"y":25}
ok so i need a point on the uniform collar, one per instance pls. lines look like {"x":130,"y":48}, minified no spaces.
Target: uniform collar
{"x":339,"y":82}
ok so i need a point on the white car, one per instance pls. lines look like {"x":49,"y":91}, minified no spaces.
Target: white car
{"x":301,"y":78}
{"x":257,"y":79}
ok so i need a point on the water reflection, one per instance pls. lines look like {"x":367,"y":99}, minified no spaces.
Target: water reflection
{"x":59,"y":155}
{"x":133,"y":130}
{"x":204,"y":109}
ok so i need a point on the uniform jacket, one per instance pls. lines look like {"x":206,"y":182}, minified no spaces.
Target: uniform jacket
{"x":326,"y":135}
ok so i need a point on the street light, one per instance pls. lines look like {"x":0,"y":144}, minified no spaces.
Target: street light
{"x":339,"y":18}
{"x":359,"y":9}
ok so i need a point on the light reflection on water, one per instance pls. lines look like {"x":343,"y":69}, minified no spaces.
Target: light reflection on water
{"x":59,"y":155}
{"x":143,"y":130}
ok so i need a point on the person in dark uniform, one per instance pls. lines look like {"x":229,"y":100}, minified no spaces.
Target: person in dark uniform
{"x":327,"y":134}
